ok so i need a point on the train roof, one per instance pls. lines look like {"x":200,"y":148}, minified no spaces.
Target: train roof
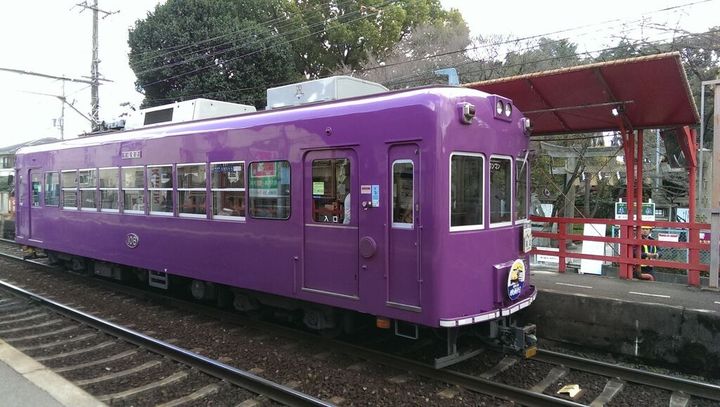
{"x":405,"y":97}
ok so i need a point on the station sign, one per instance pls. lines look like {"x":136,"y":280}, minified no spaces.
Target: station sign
{"x":648,"y":211}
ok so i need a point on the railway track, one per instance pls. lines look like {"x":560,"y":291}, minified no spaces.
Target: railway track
{"x":45,"y":329}
{"x":613,"y":379}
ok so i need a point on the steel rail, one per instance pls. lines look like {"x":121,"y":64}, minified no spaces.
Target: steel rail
{"x":472,"y":383}
{"x":506,"y":392}
{"x":694,"y":388}
{"x":469,"y":382}
{"x":246,"y":380}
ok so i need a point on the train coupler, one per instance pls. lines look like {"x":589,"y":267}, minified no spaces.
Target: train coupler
{"x":521,"y":340}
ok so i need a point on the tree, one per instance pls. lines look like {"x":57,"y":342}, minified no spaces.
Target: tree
{"x":413,"y":60}
{"x":329,"y":36}
{"x":186,"y":49}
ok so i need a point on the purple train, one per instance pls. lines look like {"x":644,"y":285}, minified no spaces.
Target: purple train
{"x":409,"y":206}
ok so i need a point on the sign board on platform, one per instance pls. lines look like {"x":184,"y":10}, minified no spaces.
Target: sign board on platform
{"x":648,"y":211}
{"x":588,"y":266}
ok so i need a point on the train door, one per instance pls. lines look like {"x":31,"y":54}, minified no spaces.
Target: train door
{"x":35,"y":196}
{"x":27,"y":193}
{"x":404,"y":276}
{"x":330,"y":252}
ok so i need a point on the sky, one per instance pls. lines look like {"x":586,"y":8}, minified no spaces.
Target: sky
{"x":55,"y":37}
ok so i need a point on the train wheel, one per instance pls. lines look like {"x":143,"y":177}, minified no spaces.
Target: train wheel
{"x":244,"y":303}
{"x":225,"y":297}
{"x":53,"y":258}
{"x":202,"y":290}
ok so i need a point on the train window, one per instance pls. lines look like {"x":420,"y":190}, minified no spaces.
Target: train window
{"x":87,"y":181}
{"x":159,"y":181}
{"x":500,"y":190}
{"x":133,"y":189}
{"x":191,"y":184}
{"x":52,"y":189}
{"x":521,"y":169}
{"x":108,"y":183}
{"x":466,"y":191}
{"x":269,"y":190}
{"x":36,"y":185}
{"x":69,"y":189}
{"x":330,"y":188}
{"x":228,"y":190}
{"x":402,"y":194}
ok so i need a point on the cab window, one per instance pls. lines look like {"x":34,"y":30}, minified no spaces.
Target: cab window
{"x":467,"y":176}
{"x":521,"y":169}
{"x":500,"y":190}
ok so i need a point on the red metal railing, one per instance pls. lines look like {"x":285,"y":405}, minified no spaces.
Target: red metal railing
{"x":628,"y":257}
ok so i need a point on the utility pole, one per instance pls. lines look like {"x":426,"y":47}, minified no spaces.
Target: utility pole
{"x":94,"y":64}
{"x":61,"y":98}
{"x":94,"y":89}
{"x":62,"y":113}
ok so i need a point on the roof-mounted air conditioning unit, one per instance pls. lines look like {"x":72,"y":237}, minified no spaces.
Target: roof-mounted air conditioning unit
{"x":321,"y":90}
{"x":186,"y":111}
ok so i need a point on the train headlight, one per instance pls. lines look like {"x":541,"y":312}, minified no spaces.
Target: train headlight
{"x":499,"y":107}
{"x":503,"y":108}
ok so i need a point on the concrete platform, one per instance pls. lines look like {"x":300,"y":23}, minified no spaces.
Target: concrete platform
{"x":25,"y":382}
{"x":666,"y":322}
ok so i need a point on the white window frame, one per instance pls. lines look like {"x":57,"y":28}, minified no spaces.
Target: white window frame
{"x":94,"y":189}
{"x":73,"y":189}
{"x":142,"y":190}
{"x":117,"y":190}
{"x":480,"y":226}
{"x":150,"y":190}
{"x":213,"y":190}
{"x":41,"y":195}
{"x":512,"y":193}
{"x":401,"y":225}
{"x":527,"y":205}
{"x":178,"y":189}
{"x":45,"y":195}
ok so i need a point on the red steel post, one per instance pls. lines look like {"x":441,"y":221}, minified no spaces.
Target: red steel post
{"x":694,"y":238}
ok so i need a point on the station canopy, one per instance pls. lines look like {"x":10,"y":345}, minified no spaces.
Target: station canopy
{"x":650,"y":92}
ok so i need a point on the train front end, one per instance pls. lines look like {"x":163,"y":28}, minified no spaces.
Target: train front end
{"x":482,"y":262}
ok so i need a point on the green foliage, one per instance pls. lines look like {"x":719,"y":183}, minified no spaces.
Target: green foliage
{"x":187,"y":49}
{"x":234,"y":49}
{"x":329,"y":36}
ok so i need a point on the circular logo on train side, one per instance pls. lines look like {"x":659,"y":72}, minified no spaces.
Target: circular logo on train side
{"x":516,"y":279}
{"x":132,"y":240}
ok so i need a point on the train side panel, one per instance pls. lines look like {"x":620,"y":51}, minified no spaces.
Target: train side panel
{"x":397,"y":257}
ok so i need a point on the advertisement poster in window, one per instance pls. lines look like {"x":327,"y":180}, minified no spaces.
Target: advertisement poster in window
{"x":264,"y":169}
